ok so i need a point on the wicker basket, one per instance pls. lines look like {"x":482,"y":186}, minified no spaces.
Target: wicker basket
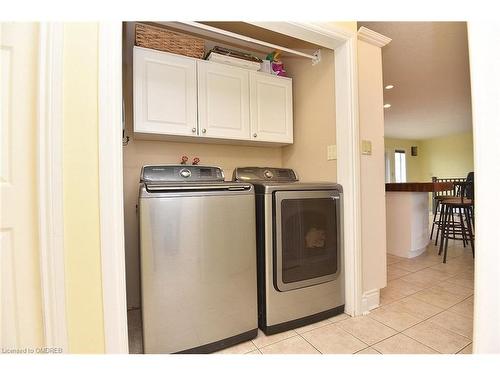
{"x":161,"y":39}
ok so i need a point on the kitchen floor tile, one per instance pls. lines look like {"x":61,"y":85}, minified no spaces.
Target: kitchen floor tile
{"x":338,"y":318}
{"x":451,"y":269}
{"x":426,"y":277}
{"x":393,"y":272}
{"x":414,"y":265}
{"x":366,"y":329}
{"x":367,"y":351}
{"x":262,"y":340}
{"x":437,"y":337}
{"x":464,"y":308}
{"x":388,"y":295}
{"x":403,"y":287}
{"x":244,"y":347}
{"x":313,"y":326}
{"x":415,"y":307}
{"x":332,"y":339}
{"x":466,"y":350}
{"x":401,"y":344}
{"x":292,"y":345}
{"x":454,"y":322}
{"x":256,"y":351}
{"x":432,"y":255}
{"x":463,"y":279}
{"x":438,"y":298}
{"x":393,"y":317}
{"x":391,"y":259}
{"x":454,"y":289}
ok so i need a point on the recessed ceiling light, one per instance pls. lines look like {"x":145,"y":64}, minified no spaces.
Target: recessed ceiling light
{"x":388,"y":87}
{"x":387,"y":105}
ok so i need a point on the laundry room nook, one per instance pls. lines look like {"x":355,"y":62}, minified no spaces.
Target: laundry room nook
{"x":289,"y":122}
{"x":214,"y":111}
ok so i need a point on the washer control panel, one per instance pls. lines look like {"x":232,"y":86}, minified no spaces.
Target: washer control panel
{"x":180,"y":173}
{"x":264,"y":174}
{"x":268,"y":174}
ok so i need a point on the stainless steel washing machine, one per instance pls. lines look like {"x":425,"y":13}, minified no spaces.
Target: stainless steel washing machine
{"x":198,"y":261}
{"x":299,"y":248}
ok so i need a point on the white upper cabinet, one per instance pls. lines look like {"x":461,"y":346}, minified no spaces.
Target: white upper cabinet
{"x":187,"y":99}
{"x":223,"y":101}
{"x":271,"y":108}
{"x":164,"y":93}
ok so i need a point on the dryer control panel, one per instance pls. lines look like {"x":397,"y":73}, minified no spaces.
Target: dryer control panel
{"x":181,"y":173}
{"x":264,"y":174}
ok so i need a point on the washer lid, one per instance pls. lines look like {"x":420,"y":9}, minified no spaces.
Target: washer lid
{"x":181,"y":173}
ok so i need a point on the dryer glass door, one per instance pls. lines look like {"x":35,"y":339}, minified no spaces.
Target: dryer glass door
{"x":307,"y":238}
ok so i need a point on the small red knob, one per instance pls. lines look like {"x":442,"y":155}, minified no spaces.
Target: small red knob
{"x":196,"y":161}
{"x":184,"y":159}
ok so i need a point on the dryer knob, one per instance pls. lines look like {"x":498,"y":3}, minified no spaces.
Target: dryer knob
{"x":268,"y":174}
{"x":185,"y":173}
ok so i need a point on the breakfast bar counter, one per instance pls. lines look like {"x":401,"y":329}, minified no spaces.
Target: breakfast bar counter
{"x":407,"y":216}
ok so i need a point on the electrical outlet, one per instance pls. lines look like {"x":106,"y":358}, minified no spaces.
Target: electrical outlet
{"x":331,"y":152}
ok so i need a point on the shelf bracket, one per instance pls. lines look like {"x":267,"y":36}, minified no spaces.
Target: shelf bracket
{"x":316,"y":57}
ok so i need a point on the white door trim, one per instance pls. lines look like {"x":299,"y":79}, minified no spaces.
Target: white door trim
{"x":111,"y":188}
{"x":50,"y":185}
{"x":485,"y":89}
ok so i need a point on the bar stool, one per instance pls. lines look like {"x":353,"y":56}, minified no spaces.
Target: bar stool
{"x":462,"y":229}
{"x":438,"y":208}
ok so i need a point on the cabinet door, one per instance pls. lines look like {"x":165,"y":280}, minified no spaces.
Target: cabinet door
{"x":223,"y":101}
{"x":164,"y":93}
{"x":271,"y":108}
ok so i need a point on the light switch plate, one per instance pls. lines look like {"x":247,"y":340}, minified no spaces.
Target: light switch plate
{"x":331,"y":152}
{"x":366,"y":147}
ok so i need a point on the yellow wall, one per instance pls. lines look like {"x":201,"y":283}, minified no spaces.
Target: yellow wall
{"x":81,"y":190}
{"x":450,"y":156}
{"x":413,"y":163}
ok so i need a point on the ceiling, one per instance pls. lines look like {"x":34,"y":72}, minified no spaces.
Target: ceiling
{"x":428,"y":64}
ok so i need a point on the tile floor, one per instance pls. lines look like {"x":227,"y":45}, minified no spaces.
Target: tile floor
{"x":426,"y":308}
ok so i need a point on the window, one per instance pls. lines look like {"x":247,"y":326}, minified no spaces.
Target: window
{"x":387,"y":156}
{"x":400,"y":165}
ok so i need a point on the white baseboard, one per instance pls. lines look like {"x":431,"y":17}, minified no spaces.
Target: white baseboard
{"x":370,"y":301}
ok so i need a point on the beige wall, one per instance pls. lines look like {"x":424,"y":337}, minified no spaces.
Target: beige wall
{"x":371,"y":128}
{"x":413,"y":163}
{"x":81,"y":190}
{"x":314,"y":118}
{"x":450,"y":156}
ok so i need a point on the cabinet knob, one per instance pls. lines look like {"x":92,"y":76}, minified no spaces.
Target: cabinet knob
{"x":255,"y":135}
{"x":193,"y":130}
{"x":203,"y":130}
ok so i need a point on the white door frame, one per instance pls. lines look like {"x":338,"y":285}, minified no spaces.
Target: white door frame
{"x":111,"y":188}
{"x":343,"y":42}
{"x":485,"y":89}
{"x":50,"y":185}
